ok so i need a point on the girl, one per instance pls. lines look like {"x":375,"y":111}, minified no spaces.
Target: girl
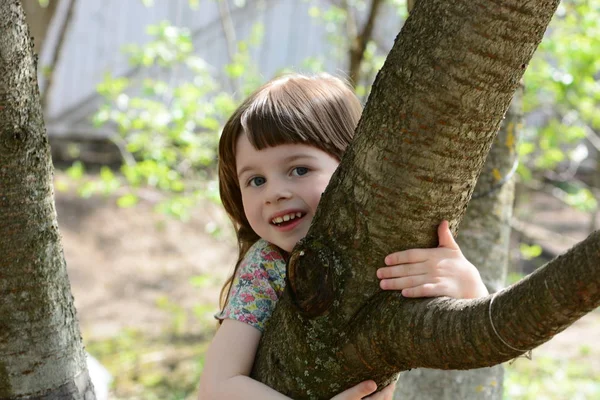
{"x":277,"y":154}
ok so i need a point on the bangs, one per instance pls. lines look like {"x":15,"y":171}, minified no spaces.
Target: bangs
{"x":272,"y":120}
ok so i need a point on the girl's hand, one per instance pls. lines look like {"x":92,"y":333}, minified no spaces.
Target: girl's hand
{"x":365,"y":388}
{"x":441,"y":271}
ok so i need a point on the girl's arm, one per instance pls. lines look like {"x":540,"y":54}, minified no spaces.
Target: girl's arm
{"x":229,"y":361}
{"x":441,"y":271}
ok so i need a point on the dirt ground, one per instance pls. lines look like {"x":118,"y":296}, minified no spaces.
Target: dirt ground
{"x":121,"y":261}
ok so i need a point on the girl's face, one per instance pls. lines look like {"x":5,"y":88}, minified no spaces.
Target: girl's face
{"x":281,"y":187}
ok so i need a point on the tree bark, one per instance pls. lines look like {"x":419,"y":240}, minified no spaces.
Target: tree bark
{"x":484,"y":239}
{"x":41,"y":354}
{"x":432,"y":116}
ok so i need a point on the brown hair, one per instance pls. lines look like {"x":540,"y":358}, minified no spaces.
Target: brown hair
{"x":320,"y":111}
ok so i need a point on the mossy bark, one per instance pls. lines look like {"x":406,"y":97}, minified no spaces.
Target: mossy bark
{"x":432,"y":116}
{"x":41,"y":354}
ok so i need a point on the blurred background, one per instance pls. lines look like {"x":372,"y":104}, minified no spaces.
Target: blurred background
{"x":135,"y":94}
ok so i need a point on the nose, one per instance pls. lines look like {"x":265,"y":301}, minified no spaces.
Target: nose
{"x":276,"y":192}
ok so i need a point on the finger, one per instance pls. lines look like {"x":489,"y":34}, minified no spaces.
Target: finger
{"x":406,"y":257}
{"x":388,"y":392}
{"x":385,"y":394}
{"x":445,"y":237}
{"x":399,"y":271}
{"x":357,"y":392}
{"x":425,"y":290}
{"x":405,"y":282}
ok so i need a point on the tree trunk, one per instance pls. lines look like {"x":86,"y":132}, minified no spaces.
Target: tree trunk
{"x":432,"y":116}
{"x":484,"y":239}
{"x":41,"y":354}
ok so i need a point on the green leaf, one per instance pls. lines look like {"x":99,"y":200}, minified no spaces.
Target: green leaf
{"x":235,"y":70}
{"x":314,"y":12}
{"x":76,"y":170}
{"x":201,"y":281}
{"x":128,"y":200}
{"x":530,"y":252}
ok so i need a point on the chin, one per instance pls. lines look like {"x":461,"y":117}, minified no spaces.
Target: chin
{"x":285,"y":247}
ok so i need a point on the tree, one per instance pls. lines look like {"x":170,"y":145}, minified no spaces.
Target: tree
{"x":430,"y":120}
{"x":41,"y":354}
{"x":453,"y":91}
{"x":484,"y":239}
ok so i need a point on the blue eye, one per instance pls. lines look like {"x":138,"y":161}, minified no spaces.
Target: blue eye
{"x":299,"y":171}
{"x":257,"y":181}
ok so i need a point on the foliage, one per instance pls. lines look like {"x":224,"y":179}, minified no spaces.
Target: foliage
{"x":167,"y":122}
{"x":562,"y":99}
{"x":168,"y":129}
{"x":342,"y":27}
{"x":150,"y":366}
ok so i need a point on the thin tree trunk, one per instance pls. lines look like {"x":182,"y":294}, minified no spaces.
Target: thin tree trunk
{"x":41,"y":354}
{"x":39,"y":19}
{"x":432,"y":116}
{"x":56,"y":54}
{"x":359,"y":40}
{"x":484,"y":239}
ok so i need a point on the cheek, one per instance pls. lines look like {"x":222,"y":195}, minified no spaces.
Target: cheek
{"x":317,"y":190}
{"x":250,"y":210}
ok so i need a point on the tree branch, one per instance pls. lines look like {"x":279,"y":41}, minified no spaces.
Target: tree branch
{"x":520,"y":320}
{"x":432,"y":116}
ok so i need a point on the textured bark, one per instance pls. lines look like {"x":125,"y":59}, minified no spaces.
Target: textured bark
{"x":41,"y":354}
{"x":433,"y":113}
{"x":484,"y":239}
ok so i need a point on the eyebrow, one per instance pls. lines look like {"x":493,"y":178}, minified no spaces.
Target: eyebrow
{"x":286,"y":160}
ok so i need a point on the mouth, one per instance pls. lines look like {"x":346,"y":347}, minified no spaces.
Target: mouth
{"x":288,"y":220}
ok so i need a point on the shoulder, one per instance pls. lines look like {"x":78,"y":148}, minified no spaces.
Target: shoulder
{"x":262,"y":251}
{"x":257,"y":286}
{"x":266,"y":257}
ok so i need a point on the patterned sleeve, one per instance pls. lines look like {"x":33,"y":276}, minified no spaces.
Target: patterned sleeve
{"x":258,"y":284}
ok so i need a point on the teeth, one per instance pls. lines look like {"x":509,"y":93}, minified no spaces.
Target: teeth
{"x":286,"y":218}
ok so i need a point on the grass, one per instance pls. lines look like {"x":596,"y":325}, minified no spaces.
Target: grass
{"x":165,"y":367}
{"x":550,"y":378}
{"x":169,"y":366}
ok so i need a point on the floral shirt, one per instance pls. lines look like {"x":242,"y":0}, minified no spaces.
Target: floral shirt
{"x":256,"y":287}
